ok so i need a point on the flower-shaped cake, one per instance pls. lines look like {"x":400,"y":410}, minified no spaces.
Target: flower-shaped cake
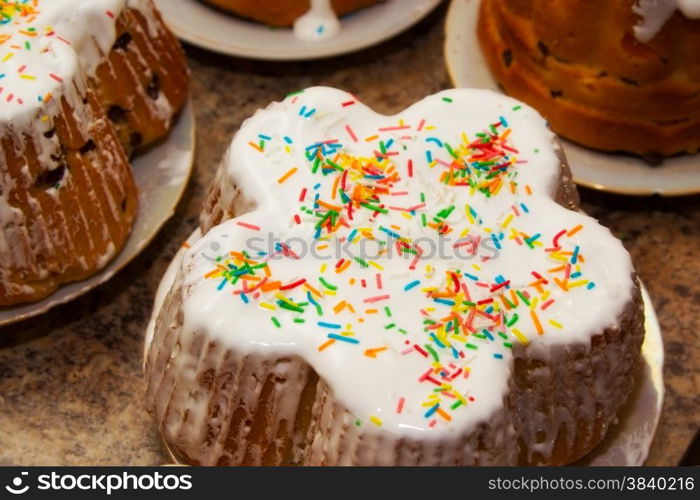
{"x":410,"y":261}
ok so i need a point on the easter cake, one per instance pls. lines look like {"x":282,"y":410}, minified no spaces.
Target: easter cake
{"x":416,"y":289}
{"x":614,"y":75}
{"x":82,"y":84}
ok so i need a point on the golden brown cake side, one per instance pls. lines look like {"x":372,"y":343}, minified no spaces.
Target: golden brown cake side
{"x":67,"y":197}
{"x":143,"y":81}
{"x":581,"y":66}
{"x":283,"y":14}
{"x":569,"y":396}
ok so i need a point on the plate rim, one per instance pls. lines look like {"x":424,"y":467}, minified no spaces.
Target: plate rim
{"x":451,"y":19}
{"x":108,"y":272}
{"x":198,"y":40}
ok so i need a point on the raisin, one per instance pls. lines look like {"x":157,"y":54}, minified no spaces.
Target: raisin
{"x":123,"y":41}
{"x":87,"y":147}
{"x":507,"y":57}
{"x":50,"y":178}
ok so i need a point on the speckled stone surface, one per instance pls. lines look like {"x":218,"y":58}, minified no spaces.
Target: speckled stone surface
{"x":70,"y":381}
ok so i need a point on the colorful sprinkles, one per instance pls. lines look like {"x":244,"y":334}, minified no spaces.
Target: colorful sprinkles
{"x":26,"y":77}
{"x":354,"y":197}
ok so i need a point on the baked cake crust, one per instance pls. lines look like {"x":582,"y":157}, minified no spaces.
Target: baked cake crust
{"x":143,"y":82}
{"x":65,"y":218}
{"x":579,"y":63}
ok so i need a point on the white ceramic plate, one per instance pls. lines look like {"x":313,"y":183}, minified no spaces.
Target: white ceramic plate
{"x":201,"y":25}
{"x":627,"y":443}
{"x":607,"y":172}
{"x":161,"y":175}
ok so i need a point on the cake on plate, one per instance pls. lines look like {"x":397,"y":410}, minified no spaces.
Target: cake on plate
{"x":417,"y":289}
{"x":614,"y":75}
{"x":82,"y":83}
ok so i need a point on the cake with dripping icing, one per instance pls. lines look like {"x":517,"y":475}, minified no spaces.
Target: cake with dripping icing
{"x":311,"y":19}
{"x":621,"y":75}
{"x":416,"y":289}
{"x":82,"y":85}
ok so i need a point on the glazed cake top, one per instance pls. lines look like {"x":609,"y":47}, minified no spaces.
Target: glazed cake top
{"x":44,"y":43}
{"x":403,"y":256}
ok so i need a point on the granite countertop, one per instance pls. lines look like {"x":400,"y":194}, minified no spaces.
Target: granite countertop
{"x":70,"y":381}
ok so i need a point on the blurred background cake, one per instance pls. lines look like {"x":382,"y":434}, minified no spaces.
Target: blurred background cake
{"x":84,"y":83}
{"x":283,"y":13}
{"x":614,"y":75}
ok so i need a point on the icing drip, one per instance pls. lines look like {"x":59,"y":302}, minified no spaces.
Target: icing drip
{"x":319,"y":23}
{"x":655,"y":13}
{"x":689,"y":8}
{"x":414,"y":343}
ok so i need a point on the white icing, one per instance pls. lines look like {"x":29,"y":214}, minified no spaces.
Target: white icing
{"x":689,"y":8}
{"x":107,"y":255}
{"x":166,"y":283}
{"x":372,"y":387}
{"x":319,"y":23}
{"x":35,"y":66}
{"x":655,"y":13}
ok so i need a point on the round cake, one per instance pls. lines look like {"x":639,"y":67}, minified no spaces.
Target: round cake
{"x":312,"y":19}
{"x":417,"y":289}
{"x":621,"y":75}
{"x":82,"y":83}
